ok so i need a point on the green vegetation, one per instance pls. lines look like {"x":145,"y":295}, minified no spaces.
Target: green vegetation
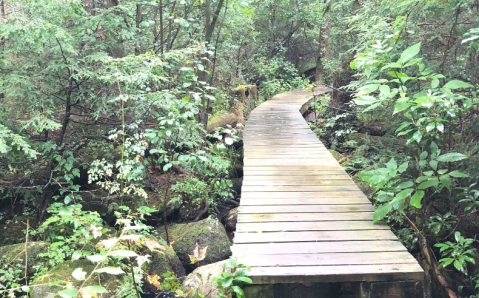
{"x":120,"y":132}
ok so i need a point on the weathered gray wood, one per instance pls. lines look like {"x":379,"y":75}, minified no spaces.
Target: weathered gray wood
{"x":314,"y":236}
{"x":259,"y":227}
{"x":317,"y":247}
{"x":292,"y":217}
{"x":302,"y":218}
{"x":350,"y":273}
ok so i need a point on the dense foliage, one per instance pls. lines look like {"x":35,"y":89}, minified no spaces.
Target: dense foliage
{"x":105,"y":106}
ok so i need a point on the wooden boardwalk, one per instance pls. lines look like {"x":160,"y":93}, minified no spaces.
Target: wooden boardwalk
{"x":302,"y":218}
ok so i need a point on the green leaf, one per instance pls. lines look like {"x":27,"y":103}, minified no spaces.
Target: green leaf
{"x":410,"y":52}
{"x":404,"y":194}
{"x":244,"y":279}
{"x":369,"y":88}
{"x":382,"y":211}
{"x":94,"y":290}
{"x":457,"y":84}
{"x":403,"y":167}
{"x":434,"y":83}
{"x":401,"y":104}
{"x":68,"y":293}
{"x":238,"y":291}
{"x":167,"y":167}
{"x":417,"y":136}
{"x":416,"y":198}
{"x":446,"y":181}
{"x":79,"y":274}
{"x":365,"y":100}
{"x":123,"y":253}
{"x":429,"y":183}
{"x":226,"y":282}
{"x":458,"y":174}
{"x":458,"y":265}
{"x":405,"y":185}
{"x":451,"y":157}
{"x":392,"y":164}
{"x":110,"y":270}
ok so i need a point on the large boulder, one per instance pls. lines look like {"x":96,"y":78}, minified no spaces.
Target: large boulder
{"x":42,"y":286}
{"x":207,"y":233}
{"x":19,"y":255}
{"x":13,"y":232}
{"x":206,"y":274}
{"x":164,"y":261}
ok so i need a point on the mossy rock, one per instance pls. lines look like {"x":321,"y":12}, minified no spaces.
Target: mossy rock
{"x":165,"y":261}
{"x":206,"y":274}
{"x":363,"y":186}
{"x":12,"y":255}
{"x":13,"y":232}
{"x":42,"y":288}
{"x":336,"y":154}
{"x":221,"y":120}
{"x":207,"y":233}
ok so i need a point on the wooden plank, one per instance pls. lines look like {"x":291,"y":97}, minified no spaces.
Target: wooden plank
{"x":314,"y":236}
{"x":316,"y":247}
{"x":325,"y":168}
{"x":259,"y":227}
{"x":308,"y":182}
{"x":307,"y":209}
{"x":299,"y":194}
{"x":281,"y":173}
{"x":349,"y":273}
{"x":303,"y":201}
{"x":292,"y":217}
{"x":328,"y":259}
{"x":313,"y":177}
{"x":302,"y":188}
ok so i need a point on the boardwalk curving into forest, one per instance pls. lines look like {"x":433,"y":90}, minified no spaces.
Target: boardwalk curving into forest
{"x":302,"y":218}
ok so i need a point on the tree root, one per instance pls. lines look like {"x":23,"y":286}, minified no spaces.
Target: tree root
{"x":431,"y":262}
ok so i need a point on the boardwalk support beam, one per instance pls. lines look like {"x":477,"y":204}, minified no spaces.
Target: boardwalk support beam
{"x":399,"y":289}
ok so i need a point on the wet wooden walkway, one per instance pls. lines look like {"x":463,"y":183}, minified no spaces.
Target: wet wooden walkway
{"x":302,"y":218}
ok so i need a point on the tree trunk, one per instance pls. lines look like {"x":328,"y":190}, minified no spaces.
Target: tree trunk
{"x":210,"y":23}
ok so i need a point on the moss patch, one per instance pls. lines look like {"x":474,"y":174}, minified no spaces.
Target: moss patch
{"x":336,"y":154}
{"x":41,"y":286}
{"x":165,"y":261}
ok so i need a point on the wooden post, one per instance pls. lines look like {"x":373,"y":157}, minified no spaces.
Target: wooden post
{"x":400,"y":289}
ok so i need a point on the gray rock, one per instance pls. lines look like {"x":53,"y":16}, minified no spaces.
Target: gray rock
{"x":206,"y":274}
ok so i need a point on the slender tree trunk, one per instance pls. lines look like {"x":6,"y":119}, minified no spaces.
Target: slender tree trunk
{"x":210,"y":23}
{"x":137,"y":25}
{"x":162,"y":33}
{"x":165,"y":206}
{"x":170,"y":25}
{"x":216,"y":46}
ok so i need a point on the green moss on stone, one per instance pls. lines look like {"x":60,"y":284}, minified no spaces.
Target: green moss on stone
{"x":165,"y":261}
{"x":336,"y":154}
{"x":42,"y":288}
{"x":207,"y":232}
{"x":11,"y":255}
